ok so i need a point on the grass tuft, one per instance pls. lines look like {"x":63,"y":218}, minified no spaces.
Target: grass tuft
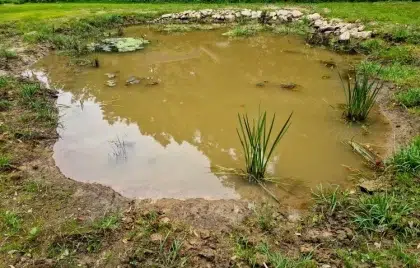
{"x":330,"y":198}
{"x":28,"y":91}
{"x":381,"y":213}
{"x":407,"y":159}
{"x":409,"y":98}
{"x":255,"y":138}
{"x":111,"y":222}
{"x":12,"y":221}
{"x":5,"y":162}
{"x":360,"y":96}
{"x":244,"y":31}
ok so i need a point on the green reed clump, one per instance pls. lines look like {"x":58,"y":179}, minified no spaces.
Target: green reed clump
{"x":255,"y":139}
{"x":360,"y":96}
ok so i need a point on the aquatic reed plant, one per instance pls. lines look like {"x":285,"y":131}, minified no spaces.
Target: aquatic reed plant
{"x":255,"y":139}
{"x":360,"y":95}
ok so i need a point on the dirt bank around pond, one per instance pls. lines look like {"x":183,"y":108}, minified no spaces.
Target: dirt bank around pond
{"x":76,"y":220}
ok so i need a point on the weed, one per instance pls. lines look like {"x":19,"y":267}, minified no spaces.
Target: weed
{"x":330,"y":198}
{"x":278,"y":260}
{"x":34,"y":233}
{"x":4,"y":105}
{"x":5,"y":163}
{"x":3,"y":82}
{"x":245,"y":250}
{"x":360,"y":96}
{"x":28,"y":91}
{"x":68,"y":244}
{"x":381,"y":213}
{"x":7,"y":54}
{"x":255,"y":140}
{"x":406,"y":258}
{"x":373,"y":45}
{"x":407,"y":159}
{"x":170,"y":252}
{"x":244,"y":31}
{"x":409,"y":98}
{"x":12,"y":221}
{"x":295,"y":28}
{"x":106,"y":223}
{"x":266,"y":218}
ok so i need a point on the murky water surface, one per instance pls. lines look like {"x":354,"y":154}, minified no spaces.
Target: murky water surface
{"x":162,"y":140}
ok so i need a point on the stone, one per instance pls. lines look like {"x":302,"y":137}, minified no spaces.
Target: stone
{"x":327,"y":27}
{"x":230,"y":17}
{"x":345,"y":36}
{"x":282,"y":12}
{"x":272,"y":14}
{"x":246,"y":13}
{"x":318,"y":23}
{"x":294,"y":216}
{"x":156,"y":237}
{"x":306,"y":249}
{"x":204,"y":234}
{"x":313,"y":17}
{"x":127,"y":44}
{"x":111,"y":83}
{"x":256,"y":14}
{"x":165,"y":16}
{"x":362,"y":35}
{"x":132,"y":80}
{"x":296,"y":14}
{"x":288,"y":86}
{"x":164,"y":220}
{"x":111,"y":75}
{"x":370,"y":186}
{"x":208,"y":254}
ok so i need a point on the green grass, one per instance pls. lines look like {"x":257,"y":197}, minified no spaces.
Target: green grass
{"x":5,"y":162}
{"x":34,"y":233}
{"x":170,"y":252}
{"x":381,"y":213}
{"x":395,"y":72}
{"x":396,"y":256}
{"x":245,"y":30}
{"x":7,"y":53}
{"x":3,"y":82}
{"x":255,"y":137}
{"x":11,"y":221}
{"x":329,"y":199}
{"x":360,"y":93}
{"x":407,"y":159}
{"x":260,"y":254}
{"x":5,"y":105}
{"x":383,"y":12}
{"x":111,"y":222}
{"x":409,"y":98}
{"x":28,"y":92}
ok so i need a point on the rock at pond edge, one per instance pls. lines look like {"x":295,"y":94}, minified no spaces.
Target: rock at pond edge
{"x":119,"y":45}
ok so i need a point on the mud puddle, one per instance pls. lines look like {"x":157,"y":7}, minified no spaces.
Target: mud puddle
{"x":163,"y":136}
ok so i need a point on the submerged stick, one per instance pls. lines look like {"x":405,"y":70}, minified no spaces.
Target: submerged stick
{"x":270,"y":193}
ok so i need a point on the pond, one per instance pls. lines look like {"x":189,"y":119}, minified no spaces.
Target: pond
{"x":164,"y":136}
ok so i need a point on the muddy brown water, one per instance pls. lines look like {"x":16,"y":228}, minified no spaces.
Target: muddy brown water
{"x":164,"y":140}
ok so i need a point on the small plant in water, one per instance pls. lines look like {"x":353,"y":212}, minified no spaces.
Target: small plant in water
{"x":360,"y":95}
{"x":255,"y":138}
